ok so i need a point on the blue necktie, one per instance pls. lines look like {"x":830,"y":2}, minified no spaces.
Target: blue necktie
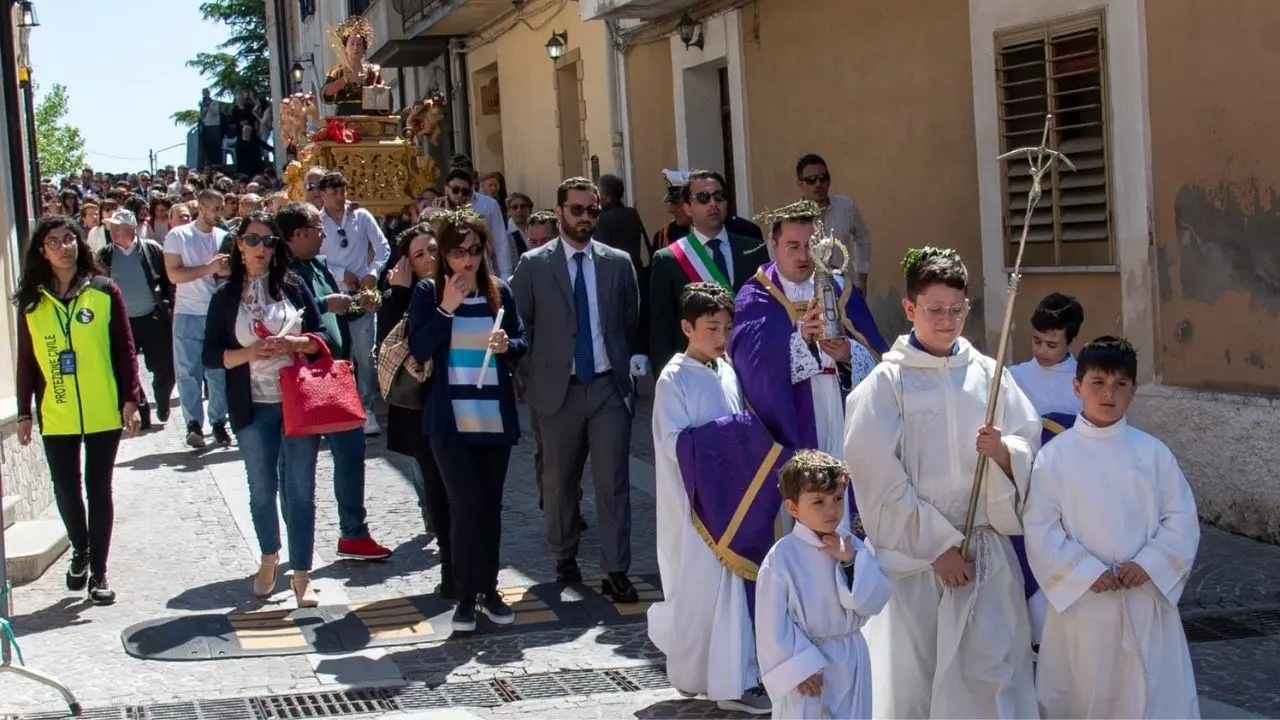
{"x":717,"y":257}
{"x":584,"y":355}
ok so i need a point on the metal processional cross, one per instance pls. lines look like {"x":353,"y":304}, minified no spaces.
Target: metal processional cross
{"x":1041,"y":160}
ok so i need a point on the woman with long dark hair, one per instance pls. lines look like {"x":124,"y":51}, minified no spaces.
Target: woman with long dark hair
{"x":76,"y":360}
{"x":416,"y":248}
{"x":256,"y":327}
{"x":469,"y":416}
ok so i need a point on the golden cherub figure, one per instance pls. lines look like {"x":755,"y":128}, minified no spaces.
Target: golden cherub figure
{"x":424,"y":118}
{"x":294,"y":112}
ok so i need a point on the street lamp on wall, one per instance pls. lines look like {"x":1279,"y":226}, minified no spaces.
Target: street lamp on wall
{"x":29,"y":19}
{"x":686,"y":27}
{"x":557,"y":44}
{"x":299,"y":70}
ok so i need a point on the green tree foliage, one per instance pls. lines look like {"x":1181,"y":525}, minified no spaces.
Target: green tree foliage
{"x":241,"y":61}
{"x":59,"y":147}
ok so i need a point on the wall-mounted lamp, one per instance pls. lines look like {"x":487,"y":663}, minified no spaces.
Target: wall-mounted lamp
{"x":29,"y":19}
{"x":686,"y":27}
{"x":557,"y":44}
{"x":24,"y":76}
{"x":300,"y":65}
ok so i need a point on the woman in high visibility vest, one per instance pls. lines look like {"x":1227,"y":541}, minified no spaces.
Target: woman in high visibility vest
{"x":76,"y":360}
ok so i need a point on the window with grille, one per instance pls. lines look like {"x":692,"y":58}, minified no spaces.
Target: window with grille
{"x":1058,"y":68}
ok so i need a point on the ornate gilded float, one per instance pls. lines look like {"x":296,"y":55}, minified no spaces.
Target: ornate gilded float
{"x":379,"y":154}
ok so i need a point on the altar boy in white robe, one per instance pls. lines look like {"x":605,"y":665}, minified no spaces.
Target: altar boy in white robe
{"x":1047,"y":379}
{"x":701,"y":438}
{"x":954,"y":640}
{"x":1112,"y":533}
{"x":816,"y":588}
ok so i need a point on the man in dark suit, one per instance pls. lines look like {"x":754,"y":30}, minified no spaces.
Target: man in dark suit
{"x":710,"y":253}
{"x":580,"y":304}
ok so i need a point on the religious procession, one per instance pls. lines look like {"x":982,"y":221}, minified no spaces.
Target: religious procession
{"x":852,"y":503}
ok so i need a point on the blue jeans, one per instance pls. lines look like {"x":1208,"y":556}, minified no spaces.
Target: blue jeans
{"x":263,"y":445}
{"x":348,"y":450}
{"x":362,"y":341}
{"x":190,"y":372}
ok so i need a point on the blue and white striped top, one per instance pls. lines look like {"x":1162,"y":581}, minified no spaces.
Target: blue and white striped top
{"x":475,"y":410}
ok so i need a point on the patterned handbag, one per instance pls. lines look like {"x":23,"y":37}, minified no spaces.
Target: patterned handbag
{"x":319,"y":397}
{"x":402,"y":380}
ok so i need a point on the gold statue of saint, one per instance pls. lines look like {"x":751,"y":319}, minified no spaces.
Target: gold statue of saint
{"x":355,"y":86}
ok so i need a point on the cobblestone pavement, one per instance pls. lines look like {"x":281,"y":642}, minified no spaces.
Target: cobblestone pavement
{"x":183,"y":545}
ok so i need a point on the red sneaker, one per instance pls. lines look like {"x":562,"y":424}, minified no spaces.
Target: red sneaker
{"x":363,"y":549}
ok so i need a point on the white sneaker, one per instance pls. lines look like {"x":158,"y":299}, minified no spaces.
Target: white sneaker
{"x":371,"y":426}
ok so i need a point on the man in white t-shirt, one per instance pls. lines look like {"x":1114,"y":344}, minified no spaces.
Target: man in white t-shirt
{"x":351,"y":236}
{"x":195,"y":265}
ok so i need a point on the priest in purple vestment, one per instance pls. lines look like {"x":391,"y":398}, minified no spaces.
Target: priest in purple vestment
{"x":794,"y":379}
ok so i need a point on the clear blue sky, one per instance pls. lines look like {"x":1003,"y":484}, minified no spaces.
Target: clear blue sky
{"x":124,"y":65}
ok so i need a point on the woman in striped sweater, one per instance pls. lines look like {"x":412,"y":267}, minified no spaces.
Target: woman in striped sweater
{"x":469,"y":415}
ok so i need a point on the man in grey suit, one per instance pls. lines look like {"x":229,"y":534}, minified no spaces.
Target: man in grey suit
{"x":580,"y":304}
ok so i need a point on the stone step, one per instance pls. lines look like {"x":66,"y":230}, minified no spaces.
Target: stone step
{"x":9,"y":508}
{"x":31,"y":546}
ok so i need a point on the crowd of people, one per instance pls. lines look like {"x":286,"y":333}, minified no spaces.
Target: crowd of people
{"x":775,"y":408}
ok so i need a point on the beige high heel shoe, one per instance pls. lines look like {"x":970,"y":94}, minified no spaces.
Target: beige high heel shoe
{"x":264,"y":583}
{"x":302,"y":592}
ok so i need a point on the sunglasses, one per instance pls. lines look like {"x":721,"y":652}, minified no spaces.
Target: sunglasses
{"x":521,"y":206}
{"x":267,"y":241}
{"x":705,"y":197}
{"x":342,"y":235}
{"x":459,"y":190}
{"x":312,"y":186}
{"x":815,"y":179}
{"x":592,"y":211}
{"x":461,"y":253}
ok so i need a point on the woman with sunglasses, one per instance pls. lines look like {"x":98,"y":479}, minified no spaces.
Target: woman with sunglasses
{"x":416,"y":249}
{"x":256,"y":326}
{"x":76,"y":361}
{"x":469,"y":416}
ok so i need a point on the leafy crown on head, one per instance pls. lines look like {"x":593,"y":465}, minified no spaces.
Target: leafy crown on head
{"x":915,"y":256}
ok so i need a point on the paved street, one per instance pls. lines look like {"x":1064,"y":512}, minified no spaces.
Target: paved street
{"x":184,"y":544}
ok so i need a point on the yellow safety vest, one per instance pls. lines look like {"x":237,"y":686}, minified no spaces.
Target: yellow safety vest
{"x":86,"y":400}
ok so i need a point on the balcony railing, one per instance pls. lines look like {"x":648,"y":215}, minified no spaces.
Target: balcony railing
{"x":413,"y":11}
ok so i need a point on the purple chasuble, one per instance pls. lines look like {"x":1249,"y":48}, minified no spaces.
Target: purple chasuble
{"x":730,"y":472}
{"x":1050,"y":425}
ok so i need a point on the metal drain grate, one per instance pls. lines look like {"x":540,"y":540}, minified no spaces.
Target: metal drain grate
{"x":345,"y":703}
{"x":545,"y":686}
{"x":325,"y":704}
{"x":1213,"y":628}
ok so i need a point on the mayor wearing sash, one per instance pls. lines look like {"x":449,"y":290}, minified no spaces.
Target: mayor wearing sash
{"x":707,"y":254}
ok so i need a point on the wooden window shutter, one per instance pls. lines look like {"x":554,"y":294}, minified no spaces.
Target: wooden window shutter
{"x":1058,"y":68}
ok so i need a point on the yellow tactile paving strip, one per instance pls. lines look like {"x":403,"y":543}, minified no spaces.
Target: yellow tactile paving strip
{"x":380,"y":623}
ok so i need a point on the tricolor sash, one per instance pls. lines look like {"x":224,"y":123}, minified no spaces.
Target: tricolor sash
{"x":697,"y":263}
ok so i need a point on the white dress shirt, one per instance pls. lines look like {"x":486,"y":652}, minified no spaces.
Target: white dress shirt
{"x":488,"y":209}
{"x":723,"y":237}
{"x":362,"y":232}
{"x":843,"y":220}
{"x":593,"y":299}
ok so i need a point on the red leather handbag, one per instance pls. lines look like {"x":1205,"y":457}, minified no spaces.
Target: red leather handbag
{"x":319,"y":397}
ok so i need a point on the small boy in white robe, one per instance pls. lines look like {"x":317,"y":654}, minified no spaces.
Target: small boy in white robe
{"x":954,"y":640}
{"x":1047,"y":377}
{"x":703,"y":624}
{"x":816,"y":588}
{"x":1112,"y":533}
{"x":1047,"y":381}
